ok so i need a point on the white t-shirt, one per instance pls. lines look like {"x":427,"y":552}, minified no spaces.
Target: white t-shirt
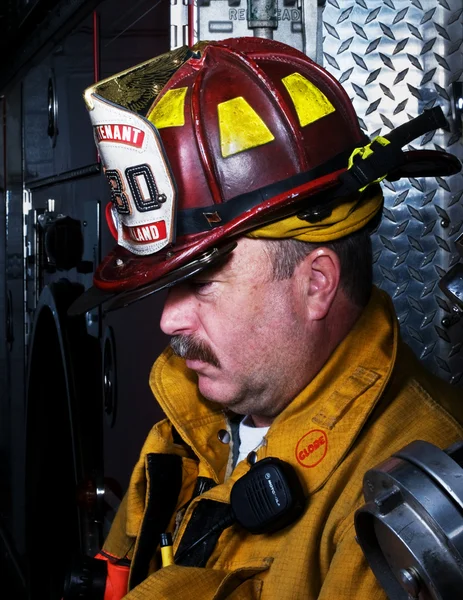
{"x":250,"y":438}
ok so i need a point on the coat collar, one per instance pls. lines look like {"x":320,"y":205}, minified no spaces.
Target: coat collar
{"x":316,"y":430}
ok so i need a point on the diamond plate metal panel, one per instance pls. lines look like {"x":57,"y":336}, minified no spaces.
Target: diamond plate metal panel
{"x":396,"y":58}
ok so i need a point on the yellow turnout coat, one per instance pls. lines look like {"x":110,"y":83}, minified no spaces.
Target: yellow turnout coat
{"x":372,"y":398}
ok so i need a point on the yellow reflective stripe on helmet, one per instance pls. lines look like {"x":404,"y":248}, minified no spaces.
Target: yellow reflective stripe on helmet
{"x":310,"y":103}
{"x":169,"y":111}
{"x":240,"y":127}
{"x":365,"y":152}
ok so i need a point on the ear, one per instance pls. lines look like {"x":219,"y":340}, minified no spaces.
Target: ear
{"x":320,"y":273}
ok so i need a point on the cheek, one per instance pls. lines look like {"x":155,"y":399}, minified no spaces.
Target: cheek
{"x":252,"y":322}
{"x":236,"y":333}
{"x":269,"y":325}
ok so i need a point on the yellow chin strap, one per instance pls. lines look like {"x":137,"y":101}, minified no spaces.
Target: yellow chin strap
{"x":344,"y":219}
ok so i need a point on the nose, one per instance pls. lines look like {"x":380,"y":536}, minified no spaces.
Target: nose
{"x":178,"y":315}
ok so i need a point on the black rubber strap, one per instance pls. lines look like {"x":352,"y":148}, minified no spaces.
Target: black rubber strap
{"x":429,"y":120}
{"x":165,"y":481}
{"x":389,"y":157}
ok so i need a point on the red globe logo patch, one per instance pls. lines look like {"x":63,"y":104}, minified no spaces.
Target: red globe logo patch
{"x":311,"y":449}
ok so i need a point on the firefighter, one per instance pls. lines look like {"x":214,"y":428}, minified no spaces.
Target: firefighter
{"x":241,"y":181}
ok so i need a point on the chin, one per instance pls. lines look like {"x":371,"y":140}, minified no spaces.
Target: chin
{"x":214,"y":392}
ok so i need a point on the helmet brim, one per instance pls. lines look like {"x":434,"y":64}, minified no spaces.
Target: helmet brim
{"x":94,"y":296}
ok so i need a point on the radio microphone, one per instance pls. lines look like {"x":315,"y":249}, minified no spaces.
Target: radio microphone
{"x":266,"y":499}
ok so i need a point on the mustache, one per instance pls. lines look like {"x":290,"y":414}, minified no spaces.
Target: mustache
{"x":189,"y":347}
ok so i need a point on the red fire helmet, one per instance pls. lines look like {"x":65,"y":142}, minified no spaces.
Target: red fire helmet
{"x":202,"y":145}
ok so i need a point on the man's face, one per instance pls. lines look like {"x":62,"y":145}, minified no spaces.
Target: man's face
{"x":246,"y":335}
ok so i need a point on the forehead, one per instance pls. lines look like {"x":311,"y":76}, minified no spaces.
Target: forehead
{"x":249,"y":258}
